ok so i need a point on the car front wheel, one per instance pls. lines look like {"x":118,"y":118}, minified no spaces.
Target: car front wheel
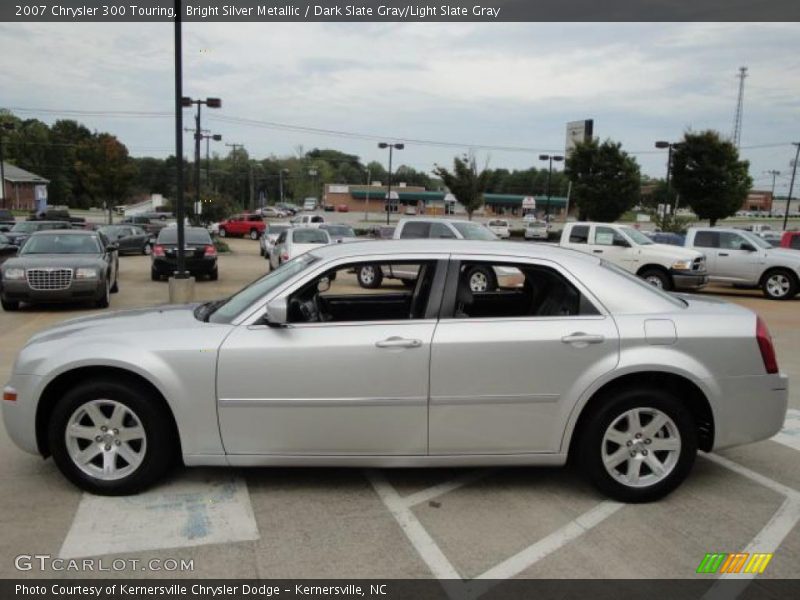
{"x":105,"y":299}
{"x":253,"y":234}
{"x":111,"y":438}
{"x":481,"y":279}
{"x":10,"y":305}
{"x":779,"y":285}
{"x":658,"y":278}
{"x":222,"y":232}
{"x":639,"y":445}
{"x":369,"y":276}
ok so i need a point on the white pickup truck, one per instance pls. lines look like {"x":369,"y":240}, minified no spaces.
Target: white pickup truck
{"x":743,"y":259}
{"x":667,"y":267}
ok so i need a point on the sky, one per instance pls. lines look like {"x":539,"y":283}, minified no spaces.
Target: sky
{"x":466,"y":87}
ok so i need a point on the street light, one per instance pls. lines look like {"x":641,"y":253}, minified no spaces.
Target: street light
{"x":207,"y":136}
{"x":312,"y":172}
{"x":791,"y":184}
{"x":669,"y":146}
{"x":391,"y":147}
{"x":3,"y":128}
{"x":550,"y":158}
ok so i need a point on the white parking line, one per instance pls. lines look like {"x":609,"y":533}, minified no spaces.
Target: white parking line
{"x":193,"y":511}
{"x":790,"y":434}
{"x":443,"y":488}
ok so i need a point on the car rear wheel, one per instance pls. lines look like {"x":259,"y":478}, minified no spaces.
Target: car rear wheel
{"x":155,"y":275}
{"x":111,"y":438}
{"x":105,"y":299}
{"x":369,"y":276}
{"x":147,"y":250}
{"x":779,"y":285}
{"x":658,"y":278}
{"x":10,"y":305}
{"x":115,"y":287}
{"x":214,"y":275}
{"x":639,"y":445}
{"x":253,"y":234}
{"x":481,"y":279}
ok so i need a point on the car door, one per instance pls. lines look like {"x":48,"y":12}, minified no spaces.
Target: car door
{"x":608,"y":243}
{"x":127,"y":240}
{"x":734,"y":263}
{"x":341,"y":387}
{"x":508,"y":366}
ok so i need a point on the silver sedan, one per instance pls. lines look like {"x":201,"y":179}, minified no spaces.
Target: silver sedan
{"x":575,"y":359}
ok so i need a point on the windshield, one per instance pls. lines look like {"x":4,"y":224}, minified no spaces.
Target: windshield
{"x":677,"y":301}
{"x":234,"y":305}
{"x":340,"y":230}
{"x":637,"y":236}
{"x":474,"y":231}
{"x":310,"y":236}
{"x":24,"y":227}
{"x":755,"y":240}
{"x":61,"y":244}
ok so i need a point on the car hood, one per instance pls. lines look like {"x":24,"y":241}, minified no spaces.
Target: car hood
{"x":33,"y":261}
{"x":670,"y":251}
{"x":118,"y":323}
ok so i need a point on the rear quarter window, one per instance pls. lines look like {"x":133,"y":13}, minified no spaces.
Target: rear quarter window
{"x":579,"y":234}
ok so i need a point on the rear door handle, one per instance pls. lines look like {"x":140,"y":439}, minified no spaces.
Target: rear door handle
{"x":723,"y":254}
{"x":581,"y":339}
{"x":398,"y":342}
{"x":597,"y":251}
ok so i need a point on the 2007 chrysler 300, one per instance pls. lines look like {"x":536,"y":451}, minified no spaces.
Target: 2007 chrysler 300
{"x":570,"y":358}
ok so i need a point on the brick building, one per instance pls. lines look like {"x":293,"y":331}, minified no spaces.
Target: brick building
{"x":20,"y":188}
{"x":758,"y":201}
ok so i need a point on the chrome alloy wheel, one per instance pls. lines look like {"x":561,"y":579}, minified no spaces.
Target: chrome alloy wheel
{"x":655,"y":280}
{"x":478,"y":282}
{"x":641,"y":447}
{"x":778,"y":285}
{"x":105,"y":439}
{"x":367,"y":275}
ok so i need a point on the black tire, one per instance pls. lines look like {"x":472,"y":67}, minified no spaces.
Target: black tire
{"x":779,"y":284}
{"x":10,"y":305}
{"x":409,"y":283}
{"x":254,"y":234}
{"x":155,"y":275}
{"x":115,"y":288}
{"x":147,"y":249}
{"x":222,"y":233}
{"x":104,"y":300}
{"x":369,"y":276}
{"x":658,"y":278}
{"x":261,"y":251}
{"x":214,"y":275}
{"x":590,"y":445}
{"x":160,"y":449}
{"x":482,"y":279}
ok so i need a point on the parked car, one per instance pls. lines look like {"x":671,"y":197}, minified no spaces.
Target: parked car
{"x":310,"y":204}
{"x":199,"y":251}
{"x":382,"y":232}
{"x":59,"y":267}
{"x":151,"y":226}
{"x":328,"y":207}
{"x":7,"y":219}
{"x":272,"y":212}
{"x":296,"y":241}
{"x":791,"y":240}
{"x":7,"y":249}
{"x":129,"y":239}
{"x":342,"y":208}
{"x":742,"y":258}
{"x":665,"y":237}
{"x":307,"y":221}
{"x":243,"y":225}
{"x":666,"y":267}
{"x":56,"y":214}
{"x":288,"y":208}
{"x":537,"y":230}
{"x":441,"y":228}
{"x":500,"y":227}
{"x":773,"y":238}
{"x":22,"y":230}
{"x":339,"y":232}
{"x":267,"y":241}
{"x":582,"y":361}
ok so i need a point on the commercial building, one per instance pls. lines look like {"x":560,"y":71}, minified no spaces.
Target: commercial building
{"x":20,"y":188}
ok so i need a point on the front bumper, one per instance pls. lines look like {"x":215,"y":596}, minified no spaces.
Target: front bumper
{"x":749,"y":409}
{"x":689,"y":280}
{"x":20,"y":416}
{"x":78,"y":290}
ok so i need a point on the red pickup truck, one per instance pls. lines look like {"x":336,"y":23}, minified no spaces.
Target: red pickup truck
{"x":790,"y":239}
{"x":250,"y":225}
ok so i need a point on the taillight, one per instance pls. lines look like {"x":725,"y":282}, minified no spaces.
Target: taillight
{"x":9,"y":394}
{"x":158,"y":250}
{"x":210,"y":250}
{"x":766,"y":346}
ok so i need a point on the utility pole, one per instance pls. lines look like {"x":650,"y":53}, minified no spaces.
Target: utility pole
{"x":774,"y":174}
{"x":3,"y":128}
{"x":234,"y":148}
{"x":180,"y":272}
{"x":366,"y":203}
{"x":737,"y":117}
{"x":791,"y":184}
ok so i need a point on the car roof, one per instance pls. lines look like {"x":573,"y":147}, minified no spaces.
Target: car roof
{"x":65,"y":232}
{"x":447,"y":246}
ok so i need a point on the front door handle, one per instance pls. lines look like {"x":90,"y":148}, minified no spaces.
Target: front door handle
{"x":723,"y":254}
{"x":398,"y":342}
{"x":597,"y":251}
{"x":581,"y":340}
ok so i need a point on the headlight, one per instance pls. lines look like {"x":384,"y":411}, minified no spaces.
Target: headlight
{"x":683,"y":265}
{"x":14,"y":273}
{"x":85,"y":273}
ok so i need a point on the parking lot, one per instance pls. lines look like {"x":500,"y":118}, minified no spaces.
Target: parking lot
{"x":409,"y":523}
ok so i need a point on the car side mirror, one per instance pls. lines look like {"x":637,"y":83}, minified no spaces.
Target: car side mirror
{"x":323,"y":285}
{"x":748,"y":247}
{"x":277,"y":312}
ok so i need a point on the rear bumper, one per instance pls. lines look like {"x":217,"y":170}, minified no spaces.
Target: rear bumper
{"x":195,"y":266}
{"x":79,"y":290}
{"x":684,"y":280}
{"x":20,"y":416}
{"x":749,"y":409}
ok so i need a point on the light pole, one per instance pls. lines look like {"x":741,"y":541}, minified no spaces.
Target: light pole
{"x":207,"y":136}
{"x":791,"y":184}
{"x":550,"y":158}
{"x":210,"y":103}
{"x":280,"y":181}
{"x":3,"y":128}
{"x":669,"y":146}
{"x":384,"y":145}
{"x":366,"y":202}
{"x":313,"y":172}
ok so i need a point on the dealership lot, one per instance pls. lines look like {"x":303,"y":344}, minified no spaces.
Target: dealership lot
{"x":463,"y":524}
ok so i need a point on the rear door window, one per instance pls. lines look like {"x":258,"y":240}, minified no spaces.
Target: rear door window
{"x":579,"y":234}
{"x":415,"y":230}
{"x":706,"y":239}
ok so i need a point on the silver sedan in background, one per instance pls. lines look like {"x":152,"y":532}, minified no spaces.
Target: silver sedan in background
{"x":577,"y":359}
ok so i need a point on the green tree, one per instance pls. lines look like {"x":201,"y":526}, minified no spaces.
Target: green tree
{"x":466,"y":183}
{"x":709,"y":176}
{"x":605,"y":180}
{"x":105,"y":170}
